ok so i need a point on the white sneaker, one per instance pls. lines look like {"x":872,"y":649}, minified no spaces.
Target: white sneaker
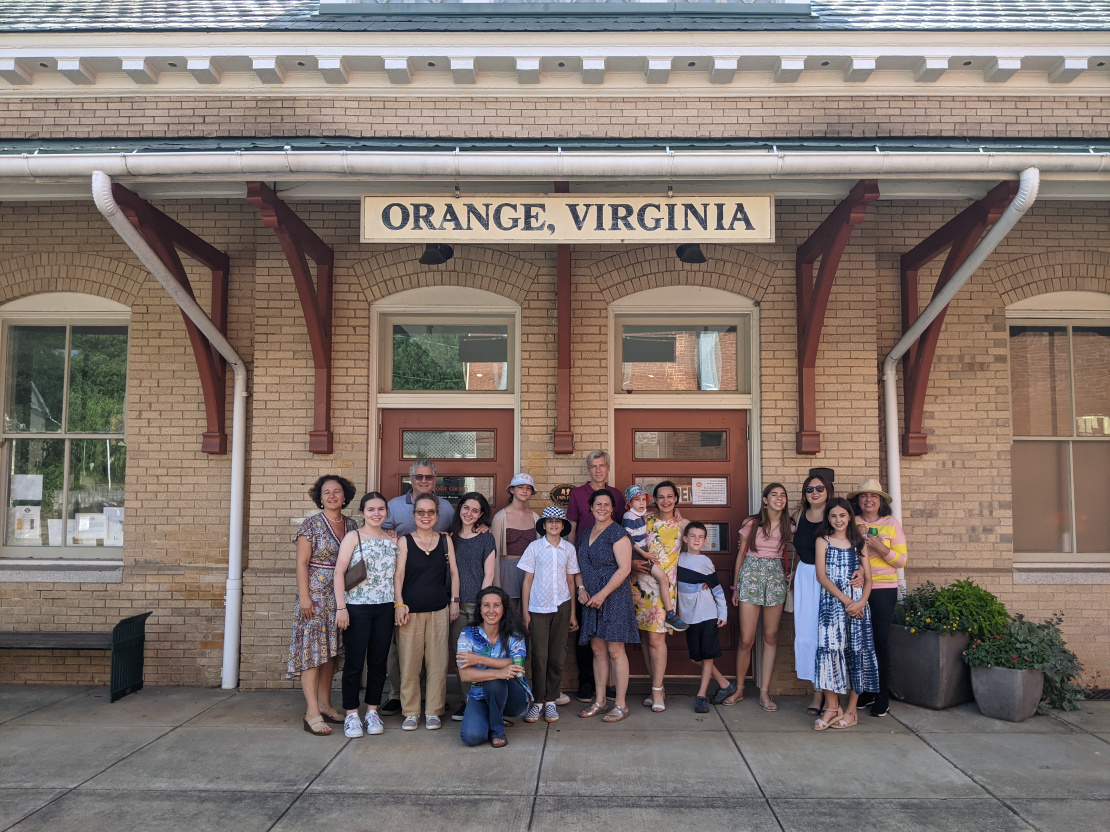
{"x":432,"y":722}
{"x":411,"y":723}
{"x":374,"y":723}
{"x":352,"y":725}
{"x":563,"y":699}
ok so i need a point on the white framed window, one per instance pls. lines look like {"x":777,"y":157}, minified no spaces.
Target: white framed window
{"x":1059,"y":347}
{"x":64,"y":365}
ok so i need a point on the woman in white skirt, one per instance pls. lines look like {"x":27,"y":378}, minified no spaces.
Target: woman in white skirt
{"x":816,"y":494}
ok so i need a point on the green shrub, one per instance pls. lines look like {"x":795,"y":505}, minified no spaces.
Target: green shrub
{"x":961,"y":607}
{"x":1028,"y":646}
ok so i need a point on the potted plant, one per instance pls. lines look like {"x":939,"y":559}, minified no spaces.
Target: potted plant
{"x":931,"y":629}
{"x":1024,"y":669}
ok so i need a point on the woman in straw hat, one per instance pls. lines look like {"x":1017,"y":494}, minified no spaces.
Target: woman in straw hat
{"x":885,"y":547}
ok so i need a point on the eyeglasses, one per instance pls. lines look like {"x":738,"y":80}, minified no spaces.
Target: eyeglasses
{"x":423,"y":477}
{"x":811,"y":488}
{"x":426,"y":512}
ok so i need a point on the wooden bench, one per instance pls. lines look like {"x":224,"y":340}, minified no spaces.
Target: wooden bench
{"x":126,"y":641}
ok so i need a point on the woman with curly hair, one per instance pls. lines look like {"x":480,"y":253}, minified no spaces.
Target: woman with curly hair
{"x":316,"y":643}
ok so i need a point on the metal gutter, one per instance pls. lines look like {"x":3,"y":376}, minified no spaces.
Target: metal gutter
{"x":1027,"y":193}
{"x":547,"y":165}
{"x":107,"y":205}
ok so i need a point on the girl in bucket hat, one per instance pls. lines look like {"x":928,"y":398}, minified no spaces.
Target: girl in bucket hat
{"x":514,"y":527}
{"x":547,"y":596}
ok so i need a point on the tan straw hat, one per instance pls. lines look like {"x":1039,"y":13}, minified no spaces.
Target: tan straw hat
{"x":870,"y":485}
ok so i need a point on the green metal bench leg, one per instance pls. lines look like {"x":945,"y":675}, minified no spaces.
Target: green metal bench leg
{"x":128,"y":642}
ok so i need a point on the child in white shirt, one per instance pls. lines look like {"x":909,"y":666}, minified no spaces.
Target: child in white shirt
{"x":546,"y":596}
{"x":701,"y":603}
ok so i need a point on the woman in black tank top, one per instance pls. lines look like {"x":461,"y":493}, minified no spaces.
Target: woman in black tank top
{"x":816,"y":494}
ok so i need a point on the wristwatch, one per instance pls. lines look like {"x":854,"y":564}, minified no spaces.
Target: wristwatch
{"x":455,"y":600}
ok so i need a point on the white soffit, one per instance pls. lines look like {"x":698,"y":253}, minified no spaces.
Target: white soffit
{"x":469,"y":63}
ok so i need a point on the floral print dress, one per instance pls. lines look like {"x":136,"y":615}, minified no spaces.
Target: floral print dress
{"x":317,"y":640}
{"x":664,"y":543}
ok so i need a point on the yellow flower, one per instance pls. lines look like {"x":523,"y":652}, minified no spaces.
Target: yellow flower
{"x":928,"y":620}
{"x":913,"y":630}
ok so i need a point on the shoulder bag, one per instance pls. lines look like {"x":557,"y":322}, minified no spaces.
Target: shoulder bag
{"x":356,"y":573}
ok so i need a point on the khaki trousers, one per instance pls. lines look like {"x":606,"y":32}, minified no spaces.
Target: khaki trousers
{"x":423,"y":642}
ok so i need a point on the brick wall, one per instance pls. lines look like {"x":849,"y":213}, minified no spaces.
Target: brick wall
{"x":957,"y":498}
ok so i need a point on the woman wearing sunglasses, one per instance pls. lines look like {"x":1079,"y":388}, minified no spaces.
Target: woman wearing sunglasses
{"x":816,"y":494}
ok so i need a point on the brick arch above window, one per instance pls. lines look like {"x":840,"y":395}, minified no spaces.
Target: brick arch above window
{"x":651,"y":267}
{"x":1054,"y":270}
{"x":88,"y":274}
{"x":474,"y":267}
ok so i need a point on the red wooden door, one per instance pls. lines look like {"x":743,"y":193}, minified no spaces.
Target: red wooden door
{"x":705,"y":453}
{"x":473,"y":450}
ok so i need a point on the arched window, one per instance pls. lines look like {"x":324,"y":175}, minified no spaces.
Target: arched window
{"x":1060,"y":407}
{"x":64,"y":431}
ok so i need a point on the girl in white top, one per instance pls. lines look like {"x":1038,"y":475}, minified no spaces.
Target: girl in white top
{"x":365,"y":612}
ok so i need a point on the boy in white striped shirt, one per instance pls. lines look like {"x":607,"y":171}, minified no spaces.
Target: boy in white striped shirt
{"x":701,"y":604}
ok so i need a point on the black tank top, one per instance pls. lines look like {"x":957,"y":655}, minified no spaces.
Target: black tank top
{"x":426,"y":575}
{"x":805,"y":540}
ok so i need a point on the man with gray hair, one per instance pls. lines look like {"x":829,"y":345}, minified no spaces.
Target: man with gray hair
{"x":422,"y":475}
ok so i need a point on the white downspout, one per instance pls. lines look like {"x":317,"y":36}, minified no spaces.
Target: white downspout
{"x":102,"y":195}
{"x":1027,"y":193}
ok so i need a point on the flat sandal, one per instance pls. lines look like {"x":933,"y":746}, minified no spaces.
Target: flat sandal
{"x":616,"y":714}
{"x":594,"y":709}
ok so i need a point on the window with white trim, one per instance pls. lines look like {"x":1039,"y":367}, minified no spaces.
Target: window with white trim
{"x":1060,"y":407}
{"x":64,"y":430}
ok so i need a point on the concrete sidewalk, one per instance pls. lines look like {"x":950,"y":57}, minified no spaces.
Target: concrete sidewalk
{"x":199,"y":759}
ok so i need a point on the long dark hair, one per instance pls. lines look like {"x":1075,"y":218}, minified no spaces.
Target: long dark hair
{"x":762,"y":519}
{"x":456,"y":521}
{"x":511,"y":622}
{"x":829,"y":492}
{"x":854,"y":535}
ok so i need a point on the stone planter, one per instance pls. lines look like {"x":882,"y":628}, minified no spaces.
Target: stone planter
{"x":928,"y":669}
{"x":1005,"y":693}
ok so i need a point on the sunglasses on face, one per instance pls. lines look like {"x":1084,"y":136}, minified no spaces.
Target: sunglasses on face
{"x":812,"y":488}
{"x":423,"y":477}
{"x":426,"y":512}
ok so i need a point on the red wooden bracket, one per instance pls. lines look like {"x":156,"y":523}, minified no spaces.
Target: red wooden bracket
{"x":564,"y":437}
{"x":299,"y":242}
{"x":167,"y":236}
{"x":958,"y":236}
{"x":827,"y":243}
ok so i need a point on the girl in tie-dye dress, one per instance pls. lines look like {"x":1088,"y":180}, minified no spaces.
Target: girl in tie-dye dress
{"x":845,"y":644}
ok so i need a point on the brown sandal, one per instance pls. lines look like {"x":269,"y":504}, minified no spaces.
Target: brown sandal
{"x":594,"y":709}
{"x":333,"y":716}
{"x":499,"y":742}
{"x":849,"y":719}
{"x":316,"y":726}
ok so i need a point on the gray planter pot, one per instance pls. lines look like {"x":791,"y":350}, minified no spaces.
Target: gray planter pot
{"x":928,"y":669}
{"x":1005,"y":693}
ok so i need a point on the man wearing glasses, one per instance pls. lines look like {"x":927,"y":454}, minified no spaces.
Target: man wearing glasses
{"x":422,"y":475}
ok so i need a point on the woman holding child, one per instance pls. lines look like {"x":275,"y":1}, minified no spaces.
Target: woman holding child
{"x":658,"y":544}
{"x":608,"y":615}
{"x":762,"y":566}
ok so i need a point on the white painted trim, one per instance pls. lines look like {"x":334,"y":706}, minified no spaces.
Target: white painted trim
{"x":64,"y":304}
{"x":430,"y":301}
{"x":1061,"y":305}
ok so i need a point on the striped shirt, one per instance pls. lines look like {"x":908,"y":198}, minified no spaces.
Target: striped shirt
{"x":636,"y":526}
{"x":884,"y":570}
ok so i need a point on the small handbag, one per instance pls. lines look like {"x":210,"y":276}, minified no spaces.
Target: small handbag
{"x":354,"y":575}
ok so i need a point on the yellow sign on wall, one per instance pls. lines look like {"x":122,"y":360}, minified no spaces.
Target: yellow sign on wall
{"x":563,"y":218}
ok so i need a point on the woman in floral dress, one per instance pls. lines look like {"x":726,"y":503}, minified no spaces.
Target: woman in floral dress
{"x":664,"y":544}
{"x":315,"y":642}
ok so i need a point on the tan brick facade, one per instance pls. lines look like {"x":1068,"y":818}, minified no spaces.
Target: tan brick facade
{"x":957,"y":499}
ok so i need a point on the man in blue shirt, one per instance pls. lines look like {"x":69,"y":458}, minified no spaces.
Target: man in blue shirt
{"x":422,"y":475}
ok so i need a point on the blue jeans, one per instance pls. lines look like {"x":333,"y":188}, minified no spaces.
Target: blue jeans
{"x":485,"y":718}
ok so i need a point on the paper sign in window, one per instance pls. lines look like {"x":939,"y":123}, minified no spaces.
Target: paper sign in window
{"x":90,"y":526}
{"x":26,"y":487}
{"x":710,"y":491}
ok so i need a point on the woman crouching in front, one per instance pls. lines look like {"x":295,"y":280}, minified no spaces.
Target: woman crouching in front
{"x":491,"y":657}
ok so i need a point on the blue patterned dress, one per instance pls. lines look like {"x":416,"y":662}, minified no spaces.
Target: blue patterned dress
{"x":616,"y":620}
{"x":845,"y":645}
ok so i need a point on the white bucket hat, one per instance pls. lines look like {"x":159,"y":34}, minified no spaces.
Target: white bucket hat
{"x":521,"y":479}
